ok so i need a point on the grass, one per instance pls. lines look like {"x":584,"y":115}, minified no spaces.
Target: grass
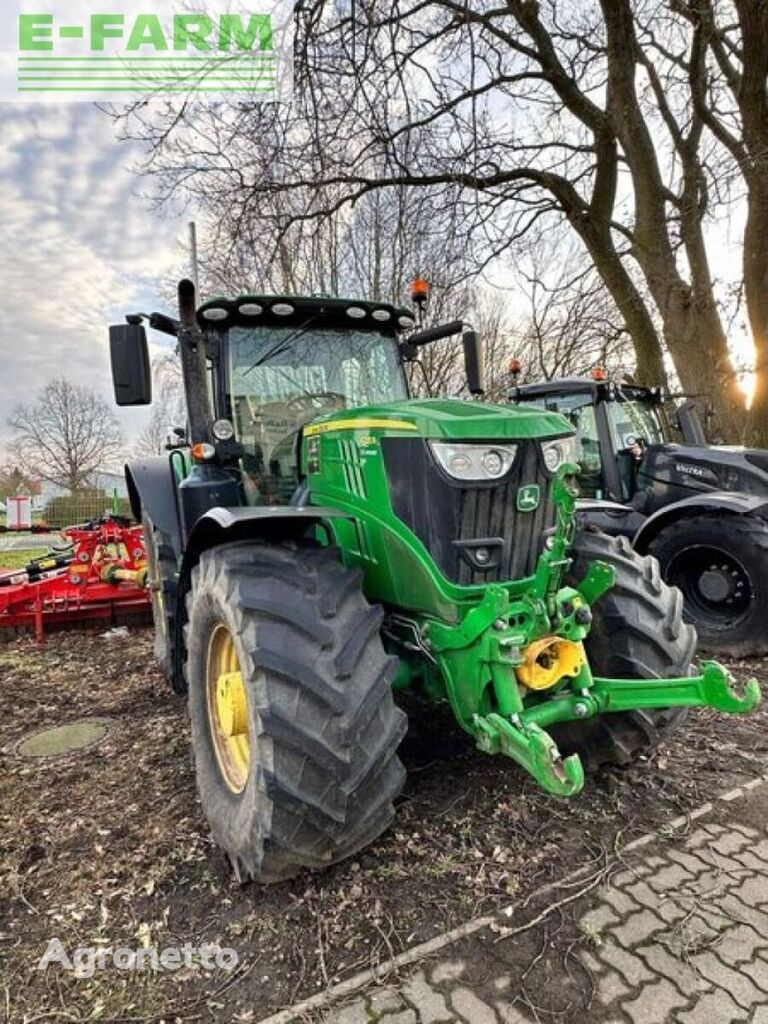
{"x":17,"y":559}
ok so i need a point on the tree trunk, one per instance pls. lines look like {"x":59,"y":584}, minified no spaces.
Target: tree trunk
{"x":692,"y":327}
{"x":650,"y":361}
{"x":756,"y":290}
{"x":698,"y":345}
{"x":752,"y":98}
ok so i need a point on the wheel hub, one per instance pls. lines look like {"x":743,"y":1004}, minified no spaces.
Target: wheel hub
{"x":231,"y":707}
{"x":228,"y":709}
{"x":715,"y":585}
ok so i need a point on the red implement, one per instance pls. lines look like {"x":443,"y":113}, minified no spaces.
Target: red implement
{"x":102,"y":575}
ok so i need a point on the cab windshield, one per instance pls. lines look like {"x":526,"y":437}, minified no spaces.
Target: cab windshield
{"x":634,"y":418}
{"x":280,"y":378}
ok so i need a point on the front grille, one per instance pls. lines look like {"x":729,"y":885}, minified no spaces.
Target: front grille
{"x":446,"y":514}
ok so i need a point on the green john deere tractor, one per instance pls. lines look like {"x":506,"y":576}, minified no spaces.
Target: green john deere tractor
{"x":319,"y":541}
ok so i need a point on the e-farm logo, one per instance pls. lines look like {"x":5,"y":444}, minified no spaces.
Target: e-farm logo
{"x":81,"y":51}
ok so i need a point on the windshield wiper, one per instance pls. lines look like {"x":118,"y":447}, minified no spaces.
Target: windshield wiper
{"x":284,"y":343}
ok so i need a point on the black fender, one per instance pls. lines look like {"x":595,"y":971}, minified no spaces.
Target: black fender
{"x":152,"y":487}
{"x":271,"y":523}
{"x":730,"y":502}
{"x":609,"y":516}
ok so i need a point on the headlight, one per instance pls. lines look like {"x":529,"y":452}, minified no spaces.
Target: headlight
{"x":223,"y":430}
{"x":559,"y":451}
{"x":474,"y":461}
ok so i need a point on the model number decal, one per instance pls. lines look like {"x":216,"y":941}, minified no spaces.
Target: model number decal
{"x":681,"y":467}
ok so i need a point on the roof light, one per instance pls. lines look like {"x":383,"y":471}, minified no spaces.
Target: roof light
{"x":405,"y":322}
{"x":250,"y":309}
{"x":515,"y":366}
{"x":599,"y":373}
{"x":381,"y":315}
{"x":356,"y":312}
{"x":283,"y":308}
{"x":419,"y":290}
{"x":215,"y":313}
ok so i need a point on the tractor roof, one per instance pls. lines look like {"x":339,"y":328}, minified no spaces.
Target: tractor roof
{"x":546,"y":387}
{"x":568,"y":385}
{"x":294,"y":310}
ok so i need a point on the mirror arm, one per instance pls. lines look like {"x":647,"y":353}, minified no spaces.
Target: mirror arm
{"x":409,"y":345}
{"x":157,"y":321}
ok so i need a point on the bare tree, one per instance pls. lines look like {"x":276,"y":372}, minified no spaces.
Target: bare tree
{"x":570,"y":323}
{"x":66,"y":435}
{"x":726,"y":69}
{"x":504,"y":115}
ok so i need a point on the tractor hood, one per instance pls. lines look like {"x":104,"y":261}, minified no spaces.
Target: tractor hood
{"x":449,"y":419}
{"x":701,"y":469}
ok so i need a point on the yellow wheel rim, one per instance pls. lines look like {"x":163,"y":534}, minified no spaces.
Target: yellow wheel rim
{"x":228,"y":709}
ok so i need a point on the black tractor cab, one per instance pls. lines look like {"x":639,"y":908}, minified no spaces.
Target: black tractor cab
{"x":647,"y":473}
{"x":635,"y":447}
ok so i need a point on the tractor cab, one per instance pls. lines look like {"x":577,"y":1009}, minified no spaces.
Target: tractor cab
{"x":635,"y":448}
{"x":281,"y":363}
{"x":618,"y":426}
{"x":257,"y":370}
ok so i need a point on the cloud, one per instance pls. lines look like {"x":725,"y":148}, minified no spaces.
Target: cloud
{"x":79,"y":247}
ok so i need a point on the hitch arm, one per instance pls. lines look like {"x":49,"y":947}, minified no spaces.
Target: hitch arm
{"x":714,"y":688}
{"x":524,"y":738}
{"x":533,"y":749}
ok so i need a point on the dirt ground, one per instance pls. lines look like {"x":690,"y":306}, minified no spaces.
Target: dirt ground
{"x":107,"y":846}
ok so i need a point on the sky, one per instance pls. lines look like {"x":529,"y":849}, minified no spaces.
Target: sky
{"x":80,"y":246}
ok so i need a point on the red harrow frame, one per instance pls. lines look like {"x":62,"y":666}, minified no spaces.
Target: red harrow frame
{"x":101,"y":574}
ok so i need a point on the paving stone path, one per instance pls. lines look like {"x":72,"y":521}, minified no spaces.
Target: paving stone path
{"x":679,"y":933}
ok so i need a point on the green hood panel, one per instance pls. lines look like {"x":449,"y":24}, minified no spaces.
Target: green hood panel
{"x":448,"y":419}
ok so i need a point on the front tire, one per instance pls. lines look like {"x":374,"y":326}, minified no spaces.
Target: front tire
{"x":720,"y":562}
{"x":637,"y":632}
{"x":299,"y":770}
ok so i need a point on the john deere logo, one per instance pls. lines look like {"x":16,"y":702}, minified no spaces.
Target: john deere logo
{"x":528,"y":498}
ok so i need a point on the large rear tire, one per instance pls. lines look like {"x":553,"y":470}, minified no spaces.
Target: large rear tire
{"x":638,"y":632}
{"x":309,"y":775}
{"x":720,"y":562}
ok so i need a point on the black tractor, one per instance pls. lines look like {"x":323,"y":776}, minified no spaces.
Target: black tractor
{"x":647,"y":473}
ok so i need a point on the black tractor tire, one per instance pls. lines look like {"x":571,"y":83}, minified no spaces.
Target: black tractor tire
{"x":161,"y":571}
{"x":732,"y":618}
{"x":637,"y":632}
{"x":323,"y":771}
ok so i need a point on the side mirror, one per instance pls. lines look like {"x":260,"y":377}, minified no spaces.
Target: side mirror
{"x":131,"y":373}
{"x":473,"y":362}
